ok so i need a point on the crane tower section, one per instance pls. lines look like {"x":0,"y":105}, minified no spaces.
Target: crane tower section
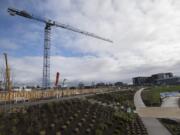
{"x":46,"y":59}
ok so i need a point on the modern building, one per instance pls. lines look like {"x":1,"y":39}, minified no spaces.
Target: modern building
{"x":158,"y":79}
{"x":140,"y":80}
{"x":162,"y":76}
{"x":169,"y":81}
{"x":118,"y":83}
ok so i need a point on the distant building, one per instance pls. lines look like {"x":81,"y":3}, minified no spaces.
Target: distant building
{"x":119,"y":84}
{"x":100,"y":85}
{"x":162,"y":76}
{"x":169,"y":81}
{"x":24,"y":88}
{"x":159,"y":79}
{"x":140,"y":80}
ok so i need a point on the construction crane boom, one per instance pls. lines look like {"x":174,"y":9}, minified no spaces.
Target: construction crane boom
{"x":68,"y":27}
{"x":48,"y":24}
{"x":23,"y":13}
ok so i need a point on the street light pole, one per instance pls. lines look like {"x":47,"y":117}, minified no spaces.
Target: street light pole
{"x":63,"y":86}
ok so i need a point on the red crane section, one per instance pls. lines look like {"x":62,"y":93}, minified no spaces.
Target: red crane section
{"x":57,"y":79}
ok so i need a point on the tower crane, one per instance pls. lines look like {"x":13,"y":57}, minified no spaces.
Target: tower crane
{"x":48,"y":24}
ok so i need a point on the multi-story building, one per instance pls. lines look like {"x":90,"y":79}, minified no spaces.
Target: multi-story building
{"x":159,"y":79}
{"x":140,"y":80}
{"x":162,"y":76}
{"x":170,"y":81}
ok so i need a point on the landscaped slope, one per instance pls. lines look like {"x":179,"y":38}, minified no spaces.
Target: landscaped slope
{"x":172,"y":126}
{"x":71,"y":117}
{"x":151,"y":96}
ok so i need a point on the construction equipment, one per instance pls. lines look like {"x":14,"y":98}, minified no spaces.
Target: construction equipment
{"x":8,"y":81}
{"x":48,"y":24}
{"x":57,"y":79}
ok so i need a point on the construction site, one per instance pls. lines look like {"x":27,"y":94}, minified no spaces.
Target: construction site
{"x":54,"y":108}
{"x":46,"y":89}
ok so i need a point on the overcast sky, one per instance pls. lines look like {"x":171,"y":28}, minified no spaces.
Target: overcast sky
{"x":146,"y":35}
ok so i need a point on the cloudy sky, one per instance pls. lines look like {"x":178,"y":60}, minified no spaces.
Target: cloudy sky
{"x":146,"y":35}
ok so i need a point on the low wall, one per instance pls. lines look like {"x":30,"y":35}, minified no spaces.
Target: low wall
{"x":40,"y":94}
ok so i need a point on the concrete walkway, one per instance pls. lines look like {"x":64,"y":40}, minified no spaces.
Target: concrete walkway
{"x":154,"y":127}
{"x":170,"y":102}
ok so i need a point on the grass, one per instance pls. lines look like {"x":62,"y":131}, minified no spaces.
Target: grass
{"x":124,"y":98}
{"x":151,"y":96}
{"x":172,"y":126}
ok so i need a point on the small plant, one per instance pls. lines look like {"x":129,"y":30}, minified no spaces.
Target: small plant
{"x":98,"y":132}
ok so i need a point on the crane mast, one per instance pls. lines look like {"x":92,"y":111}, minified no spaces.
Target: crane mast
{"x":47,"y":39}
{"x":46,"y":60}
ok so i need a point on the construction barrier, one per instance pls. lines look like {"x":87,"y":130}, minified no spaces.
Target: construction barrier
{"x":16,"y":96}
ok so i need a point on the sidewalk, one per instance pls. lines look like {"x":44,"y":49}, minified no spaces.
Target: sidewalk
{"x":170,"y":102}
{"x":154,"y":127}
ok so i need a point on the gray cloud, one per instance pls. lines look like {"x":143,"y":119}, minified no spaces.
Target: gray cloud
{"x":145,"y":34}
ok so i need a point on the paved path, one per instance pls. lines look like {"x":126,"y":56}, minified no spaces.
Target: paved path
{"x":170,"y":102}
{"x":159,"y":112}
{"x":154,"y":127}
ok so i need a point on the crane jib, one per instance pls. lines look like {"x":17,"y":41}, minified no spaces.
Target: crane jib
{"x":24,"y":13}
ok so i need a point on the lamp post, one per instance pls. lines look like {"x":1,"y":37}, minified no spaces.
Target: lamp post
{"x":63,"y":86}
